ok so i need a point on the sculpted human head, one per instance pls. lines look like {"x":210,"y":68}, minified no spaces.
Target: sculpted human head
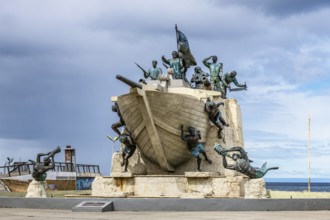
{"x":191,"y":130}
{"x":175,"y":54}
{"x":233,"y":73}
{"x":214,"y":59}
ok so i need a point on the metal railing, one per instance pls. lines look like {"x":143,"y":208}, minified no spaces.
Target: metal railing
{"x":24,"y":168}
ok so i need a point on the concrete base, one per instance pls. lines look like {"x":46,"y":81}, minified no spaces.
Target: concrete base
{"x":37,"y":189}
{"x":93,"y":206}
{"x":175,"y":204}
{"x":191,"y":185}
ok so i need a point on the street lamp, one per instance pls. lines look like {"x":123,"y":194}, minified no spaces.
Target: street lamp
{"x":113,"y":139}
{"x":7,"y":163}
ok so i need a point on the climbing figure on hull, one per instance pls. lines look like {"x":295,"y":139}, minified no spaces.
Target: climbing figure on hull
{"x":194,"y":146}
{"x":129,"y":149}
{"x":242,"y":162}
{"x":212,"y":109}
{"x":120,"y":123}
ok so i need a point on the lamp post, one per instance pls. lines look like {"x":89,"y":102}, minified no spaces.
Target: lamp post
{"x":309,"y":153}
{"x":7,"y":163}
{"x":113,"y":139}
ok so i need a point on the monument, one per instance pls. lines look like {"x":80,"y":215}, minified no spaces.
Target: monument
{"x":164,"y":162}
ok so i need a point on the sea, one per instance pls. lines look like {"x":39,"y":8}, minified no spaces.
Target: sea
{"x":298,"y":184}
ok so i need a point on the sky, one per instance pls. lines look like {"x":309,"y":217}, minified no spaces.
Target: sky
{"x":58,"y":61}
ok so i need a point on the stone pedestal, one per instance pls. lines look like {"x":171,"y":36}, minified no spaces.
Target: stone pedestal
{"x":200,"y":184}
{"x":191,"y":185}
{"x":229,"y":187}
{"x":113,"y":186}
{"x":255,"y":189}
{"x":37,"y":189}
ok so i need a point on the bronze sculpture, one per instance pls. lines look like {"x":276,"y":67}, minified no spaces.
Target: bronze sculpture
{"x":194,"y":146}
{"x":40,"y":168}
{"x":176,"y":63}
{"x":212,"y":109}
{"x":200,"y":79}
{"x":153,"y":72}
{"x":129,"y":149}
{"x":225,"y":83}
{"x":242,"y":162}
{"x":216,"y":70}
{"x":120,"y":123}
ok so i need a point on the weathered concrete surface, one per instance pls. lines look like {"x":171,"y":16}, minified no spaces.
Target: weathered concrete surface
{"x":112,"y":187}
{"x":230,"y":187}
{"x":157,"y":186}
{"x":194,"y":184}
{"x":174,"y":204}
{"x":255,"y":189}
{"x":37,"y":189}
{"x":42,"y":214}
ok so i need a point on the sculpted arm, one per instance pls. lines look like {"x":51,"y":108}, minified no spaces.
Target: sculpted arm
{"x":237,"y":83}
{"x":165,"y":60}
{"x":205,"y":61}
{"x":183,"y":137}
{"x":40,"y":155}
{"x":225,"y":164}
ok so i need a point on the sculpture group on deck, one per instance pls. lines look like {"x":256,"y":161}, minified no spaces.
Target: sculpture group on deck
{"x":213,"y":111}
{"x":215,"y":80}
{"x":177,"y":69}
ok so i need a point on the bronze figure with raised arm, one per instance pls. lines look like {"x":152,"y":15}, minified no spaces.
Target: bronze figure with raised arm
{"x":40,"y":168}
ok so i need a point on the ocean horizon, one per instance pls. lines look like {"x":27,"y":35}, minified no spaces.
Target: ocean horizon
{"x":297,"y":180}
{"x":298,"y":184}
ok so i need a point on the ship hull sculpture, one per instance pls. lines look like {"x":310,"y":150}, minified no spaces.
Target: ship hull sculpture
{"x":156,"y":119}
{"x":155,"y":113}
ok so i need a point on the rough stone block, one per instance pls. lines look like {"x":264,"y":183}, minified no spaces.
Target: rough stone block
{"x":112,"y":187}
{"x":122,"y":175}
{"x":255,"y":189}
{"x":201,"y":174}
{"x":200,"y":186}
{"x":231,"y":187}
{"x":37,"y":189}
{"x":158,"y":186}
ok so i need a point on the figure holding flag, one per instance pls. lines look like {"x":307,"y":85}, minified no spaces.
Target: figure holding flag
{"x":176,"y":64}
{"x":184,"y":51}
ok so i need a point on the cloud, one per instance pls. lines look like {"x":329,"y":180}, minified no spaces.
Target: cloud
{"x":278,"y":8}
{"x":58,"y":64}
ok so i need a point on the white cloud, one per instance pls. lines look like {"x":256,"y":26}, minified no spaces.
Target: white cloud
{"x":58,"y":62}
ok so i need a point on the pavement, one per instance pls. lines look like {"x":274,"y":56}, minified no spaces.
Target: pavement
{"x":50,"y":214}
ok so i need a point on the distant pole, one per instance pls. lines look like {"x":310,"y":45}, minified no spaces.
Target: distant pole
{"x":113,"y":139}
{"x":309,"y":149}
